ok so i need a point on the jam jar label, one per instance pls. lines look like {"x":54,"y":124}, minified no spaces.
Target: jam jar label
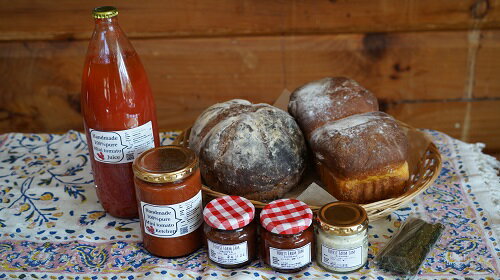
{"x":290,"y":258}
{"x":345,"y":258}
{"x":173,"y":220}
{"x":228,"y":254}
{"x":122,"y":146}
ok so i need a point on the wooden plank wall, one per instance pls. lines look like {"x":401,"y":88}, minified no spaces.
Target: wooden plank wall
{"x":432,"y":63}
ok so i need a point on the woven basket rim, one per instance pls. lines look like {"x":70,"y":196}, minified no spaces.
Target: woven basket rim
{"x":429,"y":168}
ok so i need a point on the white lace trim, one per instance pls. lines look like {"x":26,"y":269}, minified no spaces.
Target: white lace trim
{"x":483,"y":176}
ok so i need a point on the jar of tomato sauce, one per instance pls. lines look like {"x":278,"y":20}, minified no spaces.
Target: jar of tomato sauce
{"x":168,"y":188}
{"x":119,"y":113}
{"x":287,"y":238}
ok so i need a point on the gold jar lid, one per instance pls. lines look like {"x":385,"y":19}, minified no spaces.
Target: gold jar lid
{"x":165,"y":164}
{"x":342,"y":218}
{"x":105,"y":12}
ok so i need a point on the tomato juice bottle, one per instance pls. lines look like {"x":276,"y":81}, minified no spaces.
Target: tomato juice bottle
{"x":118,"y":111}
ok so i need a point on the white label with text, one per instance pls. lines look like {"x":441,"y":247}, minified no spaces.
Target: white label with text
{"x":342,"y":258}
{"x":290,"y":258}
{"x":122,"y":146}
{"x":228,"y":254}
{"x":173,"y":220}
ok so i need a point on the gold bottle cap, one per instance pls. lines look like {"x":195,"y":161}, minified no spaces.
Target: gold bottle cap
{"x":165,"y":164}
{"x":342,"y":218}
{"x":104,"y":12}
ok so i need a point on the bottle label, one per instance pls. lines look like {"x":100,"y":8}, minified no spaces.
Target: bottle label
{"x":173,"y":220}
{"x":342,"y":258}
{"x":122,"y":146}
{"x":228,"y":254}
{"x":290,"y":258}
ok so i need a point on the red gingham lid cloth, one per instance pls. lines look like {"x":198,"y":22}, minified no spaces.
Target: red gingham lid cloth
{"x":286,"y":216}
{"x":229,"y":212}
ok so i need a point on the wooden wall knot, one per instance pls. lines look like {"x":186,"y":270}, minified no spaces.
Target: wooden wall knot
{"x":73,"y":101}
{"x":479,"y":9}
{"x":399,"y":68}
{"x":384,"y":104}
{"x":375,"y":45}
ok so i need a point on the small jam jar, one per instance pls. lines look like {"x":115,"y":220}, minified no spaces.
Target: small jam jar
{"x":230,"y":233}
{"x":342,"y":237}
{"x":168,"y":189}
{"x":287,"y":238}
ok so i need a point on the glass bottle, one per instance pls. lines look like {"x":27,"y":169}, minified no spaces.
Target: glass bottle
{"x":118,"y":111}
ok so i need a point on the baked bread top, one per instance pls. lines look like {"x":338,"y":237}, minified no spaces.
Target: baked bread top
{"x":329,"y":99}
{"x":360,"y":145}
{"x":253,"y":150}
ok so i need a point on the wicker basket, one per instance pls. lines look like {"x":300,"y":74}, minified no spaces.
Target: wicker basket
{"x":424,"y":163}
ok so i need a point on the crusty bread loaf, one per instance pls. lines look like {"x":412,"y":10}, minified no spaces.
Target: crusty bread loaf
{"x":252,"y":150}
{"x":362,"y":158}
{"x":329,"y":99}
{"x":360,"y":153}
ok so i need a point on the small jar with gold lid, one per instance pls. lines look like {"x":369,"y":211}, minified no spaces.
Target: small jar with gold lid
{"x":168,"y":189}
{"x":342,"y":237}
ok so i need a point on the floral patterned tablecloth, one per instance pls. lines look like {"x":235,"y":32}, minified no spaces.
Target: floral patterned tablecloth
{"x":52,"y":226}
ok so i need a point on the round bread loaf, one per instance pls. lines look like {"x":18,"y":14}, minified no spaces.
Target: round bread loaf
{"x":251,"y":150}
{"x":329,"y":99}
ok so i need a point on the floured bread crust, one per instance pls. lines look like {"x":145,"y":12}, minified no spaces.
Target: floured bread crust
{"x":329,"y":99}
{"x":251,"y":150}
{"x":360,"y":145}
{"x":362,"y":158}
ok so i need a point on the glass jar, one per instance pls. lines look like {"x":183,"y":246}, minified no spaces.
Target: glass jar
{"x":230,"y":231}
{"x":168,"y":189}
{"x":287,"y":238}
{"x":342,"y":237}
{"x":119,"y":113}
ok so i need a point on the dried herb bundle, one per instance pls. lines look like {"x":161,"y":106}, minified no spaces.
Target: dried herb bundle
{"x":406,"y":251}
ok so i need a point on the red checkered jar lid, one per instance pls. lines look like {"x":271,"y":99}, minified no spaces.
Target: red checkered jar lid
{"x":286,"y":216}
{"x":229,"y":212}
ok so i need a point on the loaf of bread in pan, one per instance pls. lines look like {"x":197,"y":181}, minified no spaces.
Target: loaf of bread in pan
{"x":329,"y":99}
{"x":362,"y":158}
{"x":252,"y":150}
{"x":359,"y":152}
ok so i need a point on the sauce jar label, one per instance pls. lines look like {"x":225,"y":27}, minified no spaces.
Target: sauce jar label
{"x":346,"y":258}
{"x":228,"y":253}
{"x":122,"y":146}
{"x":173,"y":220}
{"x":290,"y":258}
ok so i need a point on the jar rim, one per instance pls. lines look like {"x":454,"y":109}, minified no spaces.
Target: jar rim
{"x":285,"y":235}
{"x":342,"y":218}
{"x":165,"y":164}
